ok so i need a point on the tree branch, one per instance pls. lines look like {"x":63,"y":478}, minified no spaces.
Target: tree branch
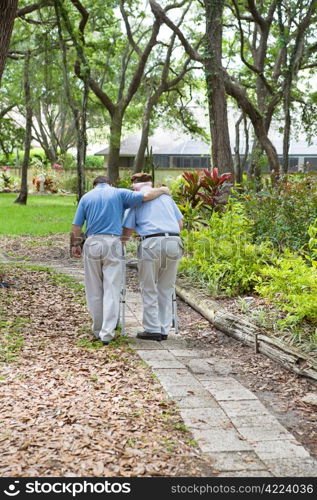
{"x":6,"y":110}
{"x":160,"y":14}
{"x":128,"y":29}
{"x":31,"y":8}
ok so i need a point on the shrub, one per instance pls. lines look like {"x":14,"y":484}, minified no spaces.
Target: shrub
{"x":291,"y":285}
{"x":8,"y":160}
{"x":124,"y":181}
{"x":282,"y":215}
{"x":94,"y":161}
{"x":222,"y":255}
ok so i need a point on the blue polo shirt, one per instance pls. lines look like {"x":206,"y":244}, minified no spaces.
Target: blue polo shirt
{"x":103,"y":207}
{"x":160,"y":215}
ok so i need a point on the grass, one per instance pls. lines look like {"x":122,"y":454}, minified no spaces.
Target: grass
{"x":43,"y":215}
{"x":12,"y":339}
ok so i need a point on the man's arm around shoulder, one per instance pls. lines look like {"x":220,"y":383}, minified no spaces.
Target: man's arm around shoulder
{"x":153,"y":193}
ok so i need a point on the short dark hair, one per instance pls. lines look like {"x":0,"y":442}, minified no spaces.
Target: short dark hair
{"x":101,"y":179}
{"x":141,"y":177}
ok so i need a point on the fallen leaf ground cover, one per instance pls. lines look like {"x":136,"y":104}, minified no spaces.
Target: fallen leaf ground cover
{"x":72,"y":407}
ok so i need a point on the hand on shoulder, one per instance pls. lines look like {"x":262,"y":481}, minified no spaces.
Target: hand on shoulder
{"x":165,"y":190}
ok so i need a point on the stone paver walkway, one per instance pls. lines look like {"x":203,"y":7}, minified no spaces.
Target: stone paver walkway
{"x":227,"y":420}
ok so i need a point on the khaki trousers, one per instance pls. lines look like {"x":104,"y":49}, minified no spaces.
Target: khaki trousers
{"x":103,"y":274}
{"x":157,"y":266}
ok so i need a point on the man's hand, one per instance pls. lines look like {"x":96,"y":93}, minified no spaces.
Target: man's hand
{"x":75,"y":252}
{"x":151,"y":194}
{"x":75,"y":239}
{"x":165,"y":190}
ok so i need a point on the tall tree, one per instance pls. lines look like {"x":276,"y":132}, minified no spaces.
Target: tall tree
{"x":211,"y":59}
{"x":272,"y":39}
{"x":157,"y":81}
{"x":22,"y":198}
{"x":79,"y":111}
{"x":115,"y":98}
{"x":217,"y":100}
{"x":232,"y":88}
{"x":8,"y":12}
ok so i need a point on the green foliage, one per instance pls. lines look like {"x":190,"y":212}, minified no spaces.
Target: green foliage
{"x":12,"y":339}
{"x":70,"y":183}
{"x":124,"y":181}
{"x":222,"y":255}
{"x":8,"y":183}
{"x":291,"y":285}
{"x":193,"y":217}
{"x":312,"y":243}
{"x":11,"y":136}
{"x":8,"y":160}
{"x":94,"y":161}
{"x":282,"y":215}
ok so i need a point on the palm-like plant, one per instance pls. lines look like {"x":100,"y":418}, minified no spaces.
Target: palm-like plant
{"x":213,"y":185}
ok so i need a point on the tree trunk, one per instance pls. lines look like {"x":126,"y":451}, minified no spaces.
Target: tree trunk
{"x":82,"y":142}
{"x":41,"y":135}
{"x":217,"y":102}
{"x":255,"y":170}
{"x":237,"y":159}
{"x":287,"y":123}
{"x":8,"y":9}
{"x":114,"y":146}
{"x":79,"y":115}
{"x":257,"y":121}
{"x":139,"y":160}
{"x":22,"y":198}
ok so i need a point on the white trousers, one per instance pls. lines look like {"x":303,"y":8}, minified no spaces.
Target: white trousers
{"x":103,"y":275}
{"x":157,"y":266}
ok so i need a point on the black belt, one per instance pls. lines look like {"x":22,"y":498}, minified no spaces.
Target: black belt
{"x":158,"y":234}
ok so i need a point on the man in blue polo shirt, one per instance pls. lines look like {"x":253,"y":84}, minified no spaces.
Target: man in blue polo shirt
{"x":102,"y":209}
{"x":158,"y":223}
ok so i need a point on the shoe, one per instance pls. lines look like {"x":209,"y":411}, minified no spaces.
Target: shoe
{"x":163,"y":337}
{"x":149,"y":336}
{"x":105,"y":342}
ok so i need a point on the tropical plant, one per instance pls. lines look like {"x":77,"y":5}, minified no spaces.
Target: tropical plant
{"x":214,"y":187}
{"x":207,"y":186}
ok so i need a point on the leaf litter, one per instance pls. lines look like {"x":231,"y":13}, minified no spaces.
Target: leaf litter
{"x":68,"y":410}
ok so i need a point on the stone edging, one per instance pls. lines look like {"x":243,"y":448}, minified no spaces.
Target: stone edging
{"x":240,"y":328}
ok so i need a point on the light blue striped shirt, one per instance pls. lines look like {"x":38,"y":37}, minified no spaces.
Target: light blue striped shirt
{"x":160,"y":215}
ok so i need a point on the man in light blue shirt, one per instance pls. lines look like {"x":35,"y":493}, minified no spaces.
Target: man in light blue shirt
{"x":102,"y":210}
{"x":158,"y":223}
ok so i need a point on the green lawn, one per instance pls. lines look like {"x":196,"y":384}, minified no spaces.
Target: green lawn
{"x":47,"y":214}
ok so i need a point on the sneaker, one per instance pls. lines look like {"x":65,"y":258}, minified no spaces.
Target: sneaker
{"x":149,"y":336}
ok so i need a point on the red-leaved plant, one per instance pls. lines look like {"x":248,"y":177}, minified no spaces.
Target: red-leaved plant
{"x":213,"y":185}
{"x":207,"y":186}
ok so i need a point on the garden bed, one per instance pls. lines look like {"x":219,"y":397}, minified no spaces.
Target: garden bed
{"x":224,"y":316}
